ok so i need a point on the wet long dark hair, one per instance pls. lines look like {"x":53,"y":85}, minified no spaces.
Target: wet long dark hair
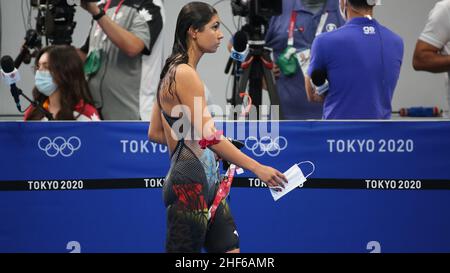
{"x":66,"y":68}
{"x":195,"y":15}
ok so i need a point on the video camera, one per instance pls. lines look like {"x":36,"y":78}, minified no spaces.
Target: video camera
{"x":55,"y":19}
{"x":252,"y":8}
{"x":258,"y":13}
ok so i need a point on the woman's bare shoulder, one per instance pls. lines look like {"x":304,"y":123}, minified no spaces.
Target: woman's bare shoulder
{"x":186,"y":71}
{"x":187,"y":79}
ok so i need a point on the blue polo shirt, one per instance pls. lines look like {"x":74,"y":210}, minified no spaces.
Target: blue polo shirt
{"x":291,"y":90}
{"x":363,"y":61}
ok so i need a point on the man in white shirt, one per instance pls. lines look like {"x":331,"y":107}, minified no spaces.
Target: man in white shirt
{"x":151,"y":70}
{"x":432,"y":51}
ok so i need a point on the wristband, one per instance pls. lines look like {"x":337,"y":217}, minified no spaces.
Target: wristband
{"x":99,"y":15}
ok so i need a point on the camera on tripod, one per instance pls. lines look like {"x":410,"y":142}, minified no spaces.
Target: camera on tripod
{"x":258,"y":13}
{"x":55,"y":20}
{"x":252,"y":8}
{"x":249,"y":74}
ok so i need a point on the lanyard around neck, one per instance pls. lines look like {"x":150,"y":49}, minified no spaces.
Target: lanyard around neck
{"x":291,"y":28}
{"x":113,"y":18}
{"x":323,"y":20}
{"x":117,"y":8}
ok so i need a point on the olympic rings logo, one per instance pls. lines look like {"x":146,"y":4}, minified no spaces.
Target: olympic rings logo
{"x":266,"y":144}
{"x":59,"y":145}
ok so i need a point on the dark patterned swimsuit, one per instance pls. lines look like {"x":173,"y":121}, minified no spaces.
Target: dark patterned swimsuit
{"x":188,"y":192}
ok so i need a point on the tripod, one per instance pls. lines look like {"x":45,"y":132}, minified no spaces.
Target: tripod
{"x":258,"y":66}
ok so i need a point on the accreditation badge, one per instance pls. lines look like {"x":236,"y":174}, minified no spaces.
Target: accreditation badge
{"x":304,"y":59}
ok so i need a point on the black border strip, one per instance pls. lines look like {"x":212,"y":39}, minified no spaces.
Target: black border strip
{"x":239,"y":182}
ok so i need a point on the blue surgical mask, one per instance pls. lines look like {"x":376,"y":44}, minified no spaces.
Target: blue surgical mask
{"x":44,"y":83}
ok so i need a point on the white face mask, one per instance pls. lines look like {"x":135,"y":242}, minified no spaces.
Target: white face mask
{"x":295,"y":179}
{"x":343,"y":8}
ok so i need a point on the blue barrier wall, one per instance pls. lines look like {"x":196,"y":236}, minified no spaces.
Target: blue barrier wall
{"x":96,"y":187}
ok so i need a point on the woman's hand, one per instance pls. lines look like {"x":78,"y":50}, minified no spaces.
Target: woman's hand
{"x":272,"y":177}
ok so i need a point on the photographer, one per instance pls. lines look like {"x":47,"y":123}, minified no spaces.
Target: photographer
{"x":122,"y":32}
{"x":311,"y":17}
{"x":361,"y":61}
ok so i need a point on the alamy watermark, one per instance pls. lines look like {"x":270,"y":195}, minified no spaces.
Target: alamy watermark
{"x":198,"y":122}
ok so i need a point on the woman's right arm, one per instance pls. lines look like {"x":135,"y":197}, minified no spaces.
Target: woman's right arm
{"x":190,"y":91}
{"x":156,"y":130}
{"x":229,"y":152}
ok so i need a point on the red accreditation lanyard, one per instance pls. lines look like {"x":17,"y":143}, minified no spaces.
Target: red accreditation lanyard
{"x":117,"y":8}
{"x":323,"y":20}
{"x":291,"y":28}
{"x":222,"y":191}
{"x":114,"y":15}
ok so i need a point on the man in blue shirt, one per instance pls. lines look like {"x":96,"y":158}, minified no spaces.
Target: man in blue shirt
{"x":362,"y":61}
{"x":312,"y":17}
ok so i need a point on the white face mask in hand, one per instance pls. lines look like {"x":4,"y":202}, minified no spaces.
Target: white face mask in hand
{"x":295,"y":179}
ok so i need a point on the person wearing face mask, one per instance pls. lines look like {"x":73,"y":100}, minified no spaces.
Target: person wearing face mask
{"x":310,"y":18}
{"x":362,"y":61}
{"x":61,"y":87}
